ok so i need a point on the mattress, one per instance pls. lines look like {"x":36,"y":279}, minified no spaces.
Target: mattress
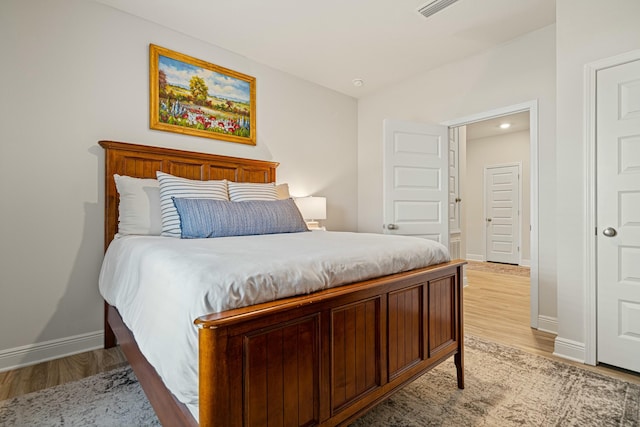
{"x":160,"y":285}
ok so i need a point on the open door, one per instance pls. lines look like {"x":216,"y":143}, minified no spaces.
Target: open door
{"x":415,"y":189}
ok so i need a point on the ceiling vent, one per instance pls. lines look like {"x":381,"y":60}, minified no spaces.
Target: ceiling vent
{"x":434,"y":6}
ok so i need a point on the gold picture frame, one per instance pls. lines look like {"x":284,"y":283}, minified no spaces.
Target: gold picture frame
{"x":194,"y":97}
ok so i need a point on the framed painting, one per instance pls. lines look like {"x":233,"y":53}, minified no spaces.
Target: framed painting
{"x":194,"y":97}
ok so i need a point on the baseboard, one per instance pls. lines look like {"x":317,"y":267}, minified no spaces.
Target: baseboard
{"x":475,"y":257}
{"x":31,"y":354}
{"x":548,"y":324}
{"x":569,"y":349}
{"x":525,"y":263}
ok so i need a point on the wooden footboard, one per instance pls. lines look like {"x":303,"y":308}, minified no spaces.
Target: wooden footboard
{"x":326,"y":358}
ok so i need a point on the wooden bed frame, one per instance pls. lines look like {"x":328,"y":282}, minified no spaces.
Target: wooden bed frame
{"x":319,"y":359}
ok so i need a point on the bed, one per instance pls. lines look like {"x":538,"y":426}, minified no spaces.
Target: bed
{"x":322,"y":358}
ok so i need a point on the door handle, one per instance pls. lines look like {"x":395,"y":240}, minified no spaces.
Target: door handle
{"x":609,"y":232}
{"x":392,"y":227}
{"x":488,"y":219}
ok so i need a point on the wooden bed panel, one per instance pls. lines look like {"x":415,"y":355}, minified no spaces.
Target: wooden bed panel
{"x":442,"y":315}
{"x":254,"y":175}
{"x":355,"y":355}
{"x":225,"y":172}
{"x":318,"y":359}
{"x":195,"y":170}
{"x":406,"y":327}
{"x":142,"y":168}
{"x":281,"y":374}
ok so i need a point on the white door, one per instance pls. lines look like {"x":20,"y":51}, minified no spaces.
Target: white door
{"x":415,"y":188}
{"x":618,"y":215}
{"x":502,"y":212}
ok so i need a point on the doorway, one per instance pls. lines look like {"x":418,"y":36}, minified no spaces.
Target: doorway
{"x":496,"y":184}
{"x":476,"y":232}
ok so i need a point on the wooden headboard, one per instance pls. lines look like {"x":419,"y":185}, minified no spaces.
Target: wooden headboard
{"x":142,"y":161}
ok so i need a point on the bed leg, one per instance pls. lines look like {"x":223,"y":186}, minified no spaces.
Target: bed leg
{"x":109,"y":335}
{"x":459,"y":356}
{"x":459,"y":361}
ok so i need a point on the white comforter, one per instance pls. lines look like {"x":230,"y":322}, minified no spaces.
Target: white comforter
{"x":160,"y":285}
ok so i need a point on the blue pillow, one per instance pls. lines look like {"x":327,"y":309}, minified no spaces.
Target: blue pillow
{"x":202,"y":218}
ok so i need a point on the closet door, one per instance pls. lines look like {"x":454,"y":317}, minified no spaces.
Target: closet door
{"x":618,"y":215}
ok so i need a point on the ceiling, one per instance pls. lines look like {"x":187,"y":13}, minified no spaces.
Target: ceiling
{"x":491,"y":127}
{"x":332,"y":42}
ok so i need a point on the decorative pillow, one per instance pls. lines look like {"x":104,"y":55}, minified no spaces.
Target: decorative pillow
{"x":202,"y":218}
{"x":243,"y":191}
{"x":173,"y":186}
{"x":283,"y":191}
{"x":139,"y":206}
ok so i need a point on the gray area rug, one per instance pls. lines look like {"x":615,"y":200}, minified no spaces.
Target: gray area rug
{"x":113,"y":398}
{"x":504,"y":387}
{"x":508,"y":387}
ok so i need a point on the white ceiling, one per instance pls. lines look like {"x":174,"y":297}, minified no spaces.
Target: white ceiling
{"x":332,"y":42}
{"x":491,"y":127}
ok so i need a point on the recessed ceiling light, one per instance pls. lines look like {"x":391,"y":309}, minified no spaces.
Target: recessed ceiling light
{"x":358,"y":82}
{"x":505,"y":125}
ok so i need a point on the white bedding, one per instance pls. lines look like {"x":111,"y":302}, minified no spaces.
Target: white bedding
{"x":160,"y":285}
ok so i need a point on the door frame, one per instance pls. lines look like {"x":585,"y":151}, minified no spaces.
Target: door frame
{"x":485,"y":206}
{"x":532,"y":107}
{"x":590,"y":295}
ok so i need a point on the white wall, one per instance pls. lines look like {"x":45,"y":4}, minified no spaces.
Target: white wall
{"x":74,"y":72}
{"x":494,"y":150}
{"x":518,"y":71}
{"x":587,"y":30}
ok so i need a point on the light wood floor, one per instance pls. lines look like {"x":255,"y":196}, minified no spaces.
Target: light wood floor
{"x":59,"y":371}
{"x":496,"y":307}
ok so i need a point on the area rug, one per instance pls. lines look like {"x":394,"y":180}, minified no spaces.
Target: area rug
{"x":504,"y":387}
{"x":112,"y":398}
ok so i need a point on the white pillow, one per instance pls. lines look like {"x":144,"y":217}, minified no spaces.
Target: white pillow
{"x":139,"y":207}
{"x":173,"y":186}
{"x":283,"y":191}
{"x":243,"y":191}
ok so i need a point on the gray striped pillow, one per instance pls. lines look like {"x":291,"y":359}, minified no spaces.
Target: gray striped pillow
{"x":173,"y":186}
{"x":243,"y":191}
{"x":202,"y":218}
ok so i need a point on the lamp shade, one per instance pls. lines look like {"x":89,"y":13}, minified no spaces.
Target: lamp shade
{"x":312,"y":208}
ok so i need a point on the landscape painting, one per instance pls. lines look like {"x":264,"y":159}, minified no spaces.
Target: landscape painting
{"x":194,"y":97}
